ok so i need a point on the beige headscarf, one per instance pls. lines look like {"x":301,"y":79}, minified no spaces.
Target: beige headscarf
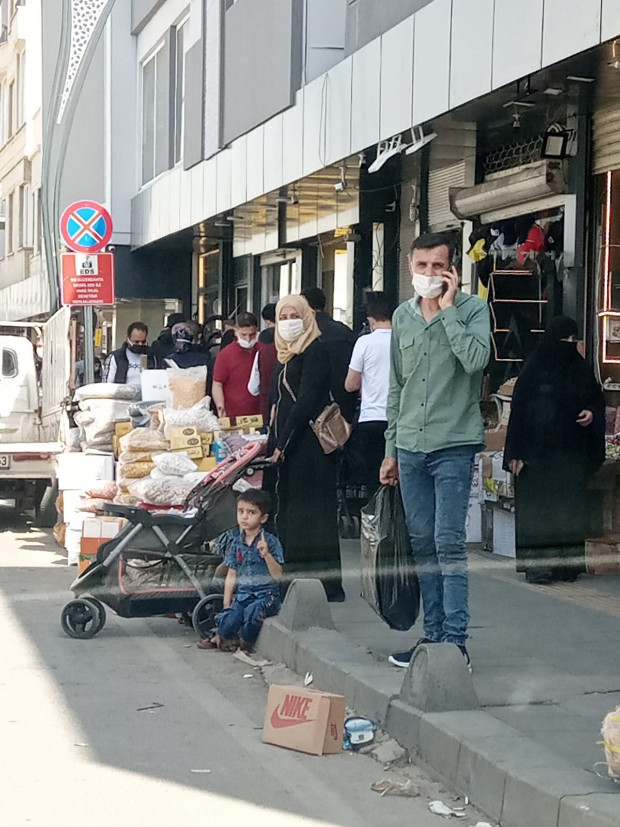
{"x":286,"y":350}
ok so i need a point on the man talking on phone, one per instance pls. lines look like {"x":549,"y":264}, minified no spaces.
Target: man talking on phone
{"x":440,"y":347}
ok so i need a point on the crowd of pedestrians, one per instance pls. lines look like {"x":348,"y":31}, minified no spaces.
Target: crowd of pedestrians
{"x":411,"y":390}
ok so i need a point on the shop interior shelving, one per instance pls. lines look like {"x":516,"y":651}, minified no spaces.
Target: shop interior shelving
{"x":512,"y":293}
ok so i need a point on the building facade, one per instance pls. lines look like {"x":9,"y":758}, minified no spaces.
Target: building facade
{"x":250,"y":149}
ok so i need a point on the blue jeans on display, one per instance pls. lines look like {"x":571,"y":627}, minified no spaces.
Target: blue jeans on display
{"x":246,"y":615}
{"x":435,"y":489}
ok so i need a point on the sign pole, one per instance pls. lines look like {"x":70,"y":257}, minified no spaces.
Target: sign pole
{"x":89,"y":347}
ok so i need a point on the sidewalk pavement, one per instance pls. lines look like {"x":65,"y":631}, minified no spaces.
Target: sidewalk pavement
{"x":546,"y":672}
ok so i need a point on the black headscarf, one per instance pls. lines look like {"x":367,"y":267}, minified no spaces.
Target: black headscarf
{"x":555,"y":386}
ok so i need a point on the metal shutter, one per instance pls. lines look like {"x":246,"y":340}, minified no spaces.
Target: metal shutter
{"x":440,"y":179}
{"x":607,"y":120}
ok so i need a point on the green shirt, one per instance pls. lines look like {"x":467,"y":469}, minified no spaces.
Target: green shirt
{"x":436,"y":376}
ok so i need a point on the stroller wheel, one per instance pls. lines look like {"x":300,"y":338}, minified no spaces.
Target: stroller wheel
{"x":102,"y":614}
{"x":203,"y":617}
{"x":81,"y":618}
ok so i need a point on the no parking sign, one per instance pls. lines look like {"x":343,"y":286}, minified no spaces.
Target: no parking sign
{"x":86,"y":227}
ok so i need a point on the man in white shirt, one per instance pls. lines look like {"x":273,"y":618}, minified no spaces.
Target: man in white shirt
{"x":369,"y":372}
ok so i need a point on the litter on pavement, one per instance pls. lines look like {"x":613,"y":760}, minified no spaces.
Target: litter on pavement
{"x":154,"y":705}
{"x":308,"y":678}
{"x":239,"y":655}
{"x":358,"y":732}
{"x":406,"y":788}
{"x":440,"y":809}
{"x":200,"y":771}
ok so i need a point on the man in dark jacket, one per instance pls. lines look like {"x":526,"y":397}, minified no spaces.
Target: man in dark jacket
{"x":188,"y":353}
{"x":339,"y":340}
{"x":125,"y":365}
{"x":163,"y":346}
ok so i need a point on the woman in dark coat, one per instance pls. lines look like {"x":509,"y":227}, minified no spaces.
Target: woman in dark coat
{"x":305,"y":490}
{"x":555,"y":442}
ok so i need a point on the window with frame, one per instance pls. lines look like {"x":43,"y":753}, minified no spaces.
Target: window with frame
{"x":36,"y":220}
{"x":20,"y":116}
{"x":10,"y":110}
{"x":9,"y":224}
{"x":155,"y":115}
{"x":25,"y":225}
{"x":9,"y":363}
{"x":179,"y":88}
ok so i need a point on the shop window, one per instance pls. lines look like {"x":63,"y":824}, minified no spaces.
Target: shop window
{"x":519,"y":264}
{"x":609,"y":282}
{"x":9,"y":364}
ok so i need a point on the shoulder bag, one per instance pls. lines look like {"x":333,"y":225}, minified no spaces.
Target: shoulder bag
{"x":330,"y":427}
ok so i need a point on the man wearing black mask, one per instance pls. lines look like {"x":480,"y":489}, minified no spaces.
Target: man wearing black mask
{"x":126,"y":364}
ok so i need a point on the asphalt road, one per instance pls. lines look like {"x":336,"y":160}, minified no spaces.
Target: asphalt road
{"x":122,"y":729}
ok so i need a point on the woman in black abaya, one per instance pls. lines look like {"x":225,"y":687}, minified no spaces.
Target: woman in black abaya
{"x":555,"y":442}
{"x":306,"y":503}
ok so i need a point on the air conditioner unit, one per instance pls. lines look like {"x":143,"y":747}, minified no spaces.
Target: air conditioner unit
{"x":536,"y":181}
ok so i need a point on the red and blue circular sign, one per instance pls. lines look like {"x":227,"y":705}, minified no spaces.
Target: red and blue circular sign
{"x":86,"y":227}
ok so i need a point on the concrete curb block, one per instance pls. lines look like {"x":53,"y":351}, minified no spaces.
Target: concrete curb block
{"x":509,"y":776}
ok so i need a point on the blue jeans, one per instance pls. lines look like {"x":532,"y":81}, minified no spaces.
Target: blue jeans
{"x":245,"y":617}
{"x":435,"y":489}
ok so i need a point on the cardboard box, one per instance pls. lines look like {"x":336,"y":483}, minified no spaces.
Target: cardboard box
{"x":155,"y":386}
{"x":95,"y":532}
{"x":122,"y":428}
{"x":83,"y":470}
{"x":504,"y":536}
{"x":206,"y":463}
{"x":304,"y":720}
{"x":185,"y":442}
{"x":192,"y":451}
{"x":207,"y":439}
{"x":495,"y":440}
{"x":255,"y":421}
{"x":603,"y":555}
{"x":179,"y":434}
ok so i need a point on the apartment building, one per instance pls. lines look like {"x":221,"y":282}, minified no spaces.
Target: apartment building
{"x":24,"y":289}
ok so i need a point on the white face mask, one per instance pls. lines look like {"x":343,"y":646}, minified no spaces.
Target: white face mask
{"x":248,"y":344}
{"x":427,"y":287}
{"x":290,"y":329}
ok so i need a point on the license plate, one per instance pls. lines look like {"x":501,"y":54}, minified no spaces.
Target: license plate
{"x":5,"y":461}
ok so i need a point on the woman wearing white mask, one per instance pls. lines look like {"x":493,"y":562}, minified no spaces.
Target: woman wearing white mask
{"x":306,"y":511}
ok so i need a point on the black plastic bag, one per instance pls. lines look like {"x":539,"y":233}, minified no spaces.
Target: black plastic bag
{"x":389,"y":582}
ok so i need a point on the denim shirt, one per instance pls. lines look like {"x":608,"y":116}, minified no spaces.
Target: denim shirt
{"x":252,"y":572}
{"x":436,"y":376}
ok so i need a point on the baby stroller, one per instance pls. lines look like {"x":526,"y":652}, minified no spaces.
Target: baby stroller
{"x":157,"y":564}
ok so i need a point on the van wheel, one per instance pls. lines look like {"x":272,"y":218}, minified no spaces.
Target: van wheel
{"x":45,"y":514}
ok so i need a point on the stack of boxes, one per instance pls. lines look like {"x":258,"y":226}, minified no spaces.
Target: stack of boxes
{"x":95,"y":532}
{"x":77,"y":472}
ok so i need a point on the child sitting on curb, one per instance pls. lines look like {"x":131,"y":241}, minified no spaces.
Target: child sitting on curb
{"x":251,"y":591}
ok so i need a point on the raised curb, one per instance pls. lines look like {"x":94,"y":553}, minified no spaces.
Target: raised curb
{"x":510,"y":777}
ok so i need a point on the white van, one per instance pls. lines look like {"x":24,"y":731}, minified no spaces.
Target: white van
{"x":33,"y":392}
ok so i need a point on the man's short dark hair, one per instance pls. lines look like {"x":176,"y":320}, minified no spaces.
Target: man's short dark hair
{"x":246,"y":320}
{"x":315,"y":297}
{"x":256,"y":496}
{"x":137,"y":326}
{"x":378,"y":306}
{"x":429,"y":241}
{"x":269,"y":312}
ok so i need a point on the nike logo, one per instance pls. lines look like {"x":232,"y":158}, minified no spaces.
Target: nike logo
{"x":279,"y":723}
{"x":293,"y":711}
